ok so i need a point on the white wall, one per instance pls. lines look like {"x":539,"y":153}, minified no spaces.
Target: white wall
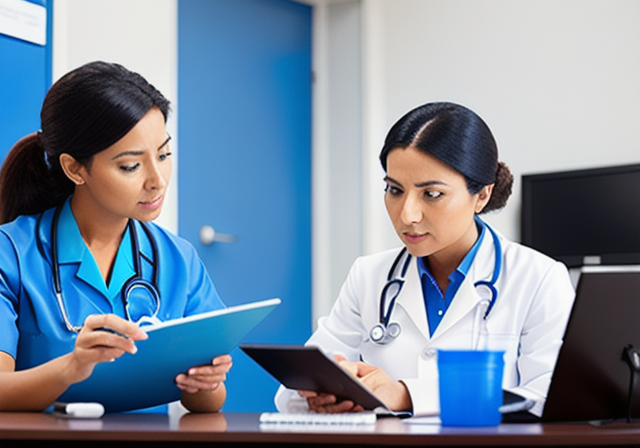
{"x":139,"y":34}
{"x":337,"y":147}
{"x":558,"y":81}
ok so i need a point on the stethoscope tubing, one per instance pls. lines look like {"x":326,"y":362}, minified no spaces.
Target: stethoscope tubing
{"x":132,"y":283}
{"x":392,"y":279}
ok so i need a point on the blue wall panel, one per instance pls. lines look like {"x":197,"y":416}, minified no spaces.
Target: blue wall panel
{"x":25,"y":76}
{"x":244,"y":129}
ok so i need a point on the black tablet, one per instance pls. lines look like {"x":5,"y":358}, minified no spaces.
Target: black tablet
{"x":308,"y":368}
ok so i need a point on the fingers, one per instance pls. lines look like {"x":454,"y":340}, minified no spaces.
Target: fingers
{"x":115,"y":324}
{"x":358,"y":369}
{"x":351,"y":367}
{"x":102,"y":338}
{"x":339,"y":358}
{"x":106,"y":337}
{"x":362,"y":369}
{"x":207,"y":377}
{"x":307,"y":393}
{"x":328,"y":404}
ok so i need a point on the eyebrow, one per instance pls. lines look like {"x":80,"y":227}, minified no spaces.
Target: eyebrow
{"x":137,"y":153}
{"x":428,"y":183}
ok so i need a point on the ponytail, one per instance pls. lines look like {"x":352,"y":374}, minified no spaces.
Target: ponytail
{"x":27,"y":186}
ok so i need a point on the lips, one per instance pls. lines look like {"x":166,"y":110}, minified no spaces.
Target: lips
{"x":154,"y":203}
{"x":414,"y":238}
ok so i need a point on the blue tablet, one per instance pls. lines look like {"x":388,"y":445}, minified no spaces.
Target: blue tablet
{"x":146,"y":379}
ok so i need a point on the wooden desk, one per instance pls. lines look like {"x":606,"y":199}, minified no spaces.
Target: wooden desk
{"x":236,"y":428}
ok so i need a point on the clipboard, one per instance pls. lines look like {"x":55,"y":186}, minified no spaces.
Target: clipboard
{"x":308,"y":368}
{"x":146,"y":378}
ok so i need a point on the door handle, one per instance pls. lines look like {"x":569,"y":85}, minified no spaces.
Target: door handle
{"x":208,"y":236}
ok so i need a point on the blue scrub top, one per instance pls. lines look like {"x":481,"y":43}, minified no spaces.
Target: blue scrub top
{"x":32,"y":329}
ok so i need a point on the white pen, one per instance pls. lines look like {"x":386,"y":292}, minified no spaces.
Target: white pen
{"x":78,"y":410}
{"x":481,"y":309}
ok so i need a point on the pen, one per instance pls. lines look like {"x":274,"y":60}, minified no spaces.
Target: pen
{"x":78,"y":410}
{"x":477,"y":323}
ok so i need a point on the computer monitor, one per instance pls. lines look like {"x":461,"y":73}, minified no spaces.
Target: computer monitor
{"x":583,"y":217}
{"x":592,"y":378}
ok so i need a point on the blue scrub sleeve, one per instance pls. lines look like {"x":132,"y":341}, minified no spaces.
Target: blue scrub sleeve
{"x":9,"y":284}
{"x":202,"y":294}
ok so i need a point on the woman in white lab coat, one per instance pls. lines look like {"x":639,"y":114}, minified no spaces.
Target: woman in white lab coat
{"x":463,"y":285}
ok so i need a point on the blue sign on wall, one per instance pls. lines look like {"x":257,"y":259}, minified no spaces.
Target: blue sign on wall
{"x":25,"y":76}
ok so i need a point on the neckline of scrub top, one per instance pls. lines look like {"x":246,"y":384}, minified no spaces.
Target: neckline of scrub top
{"x":75,"y":250}
{"x":435,"y":302}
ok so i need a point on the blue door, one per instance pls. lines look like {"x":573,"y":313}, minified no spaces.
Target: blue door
{"x":244,"y":95}
{"x":25,"y":76}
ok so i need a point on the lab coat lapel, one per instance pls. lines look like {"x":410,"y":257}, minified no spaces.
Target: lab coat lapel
{"x":464,"y":301}
{"x":411,"y":299}
{"x":467,"y":297}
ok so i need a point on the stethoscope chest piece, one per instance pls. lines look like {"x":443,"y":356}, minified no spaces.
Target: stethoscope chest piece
{"x":386,"y":331}
{"x":383,"y":334}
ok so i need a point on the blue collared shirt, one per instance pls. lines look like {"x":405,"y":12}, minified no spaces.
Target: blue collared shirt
{"x":435,"y":301}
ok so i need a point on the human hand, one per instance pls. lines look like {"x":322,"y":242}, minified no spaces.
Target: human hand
{"x":328,"y":403}
{"x":207,"y":377}
{"x":393,"y":394}
{"x":103,"y":337}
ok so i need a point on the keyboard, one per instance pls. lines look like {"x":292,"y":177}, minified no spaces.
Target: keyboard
{"x":311,"y":418}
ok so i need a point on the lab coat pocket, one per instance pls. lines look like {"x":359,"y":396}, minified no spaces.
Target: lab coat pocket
{"x":508,"y":343}
{"x":498,"y":341}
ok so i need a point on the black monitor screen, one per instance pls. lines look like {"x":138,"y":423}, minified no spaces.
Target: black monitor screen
{"x":584,"y":217}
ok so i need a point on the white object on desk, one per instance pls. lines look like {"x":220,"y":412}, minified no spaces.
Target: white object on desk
{"x":312,"y":418}
{"x":78,"y":410}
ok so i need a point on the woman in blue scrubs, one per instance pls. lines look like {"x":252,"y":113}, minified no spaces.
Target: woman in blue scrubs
{"x":76,"y":203}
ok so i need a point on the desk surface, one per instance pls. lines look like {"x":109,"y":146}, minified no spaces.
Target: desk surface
{"x":236,"y":428}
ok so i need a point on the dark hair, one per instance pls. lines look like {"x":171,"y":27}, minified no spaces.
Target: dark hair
{"x":458,"y":137}
{"x":84,"y":112}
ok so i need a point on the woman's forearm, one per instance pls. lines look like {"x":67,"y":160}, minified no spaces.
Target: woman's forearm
{"x":33,"y":389}
{"x":205,"y":401}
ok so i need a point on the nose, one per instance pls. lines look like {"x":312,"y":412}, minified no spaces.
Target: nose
{"x":155,"y":179}
{"x":411,"y":210}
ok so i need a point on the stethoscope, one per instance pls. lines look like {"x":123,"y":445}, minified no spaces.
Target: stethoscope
{"x":386,"y":331}
{"x":135,"y":283}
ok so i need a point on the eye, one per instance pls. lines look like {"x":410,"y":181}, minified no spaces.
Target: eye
{"x":393,"y":191}
{"x":164,"y":156}
{"x":433,"y":194}
{"x":130,"y":168}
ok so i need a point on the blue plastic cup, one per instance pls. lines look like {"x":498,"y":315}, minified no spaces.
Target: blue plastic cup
{"x":470,"y":387}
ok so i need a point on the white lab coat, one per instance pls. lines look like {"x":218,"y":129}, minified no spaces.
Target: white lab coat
{"x":535,"y":296}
